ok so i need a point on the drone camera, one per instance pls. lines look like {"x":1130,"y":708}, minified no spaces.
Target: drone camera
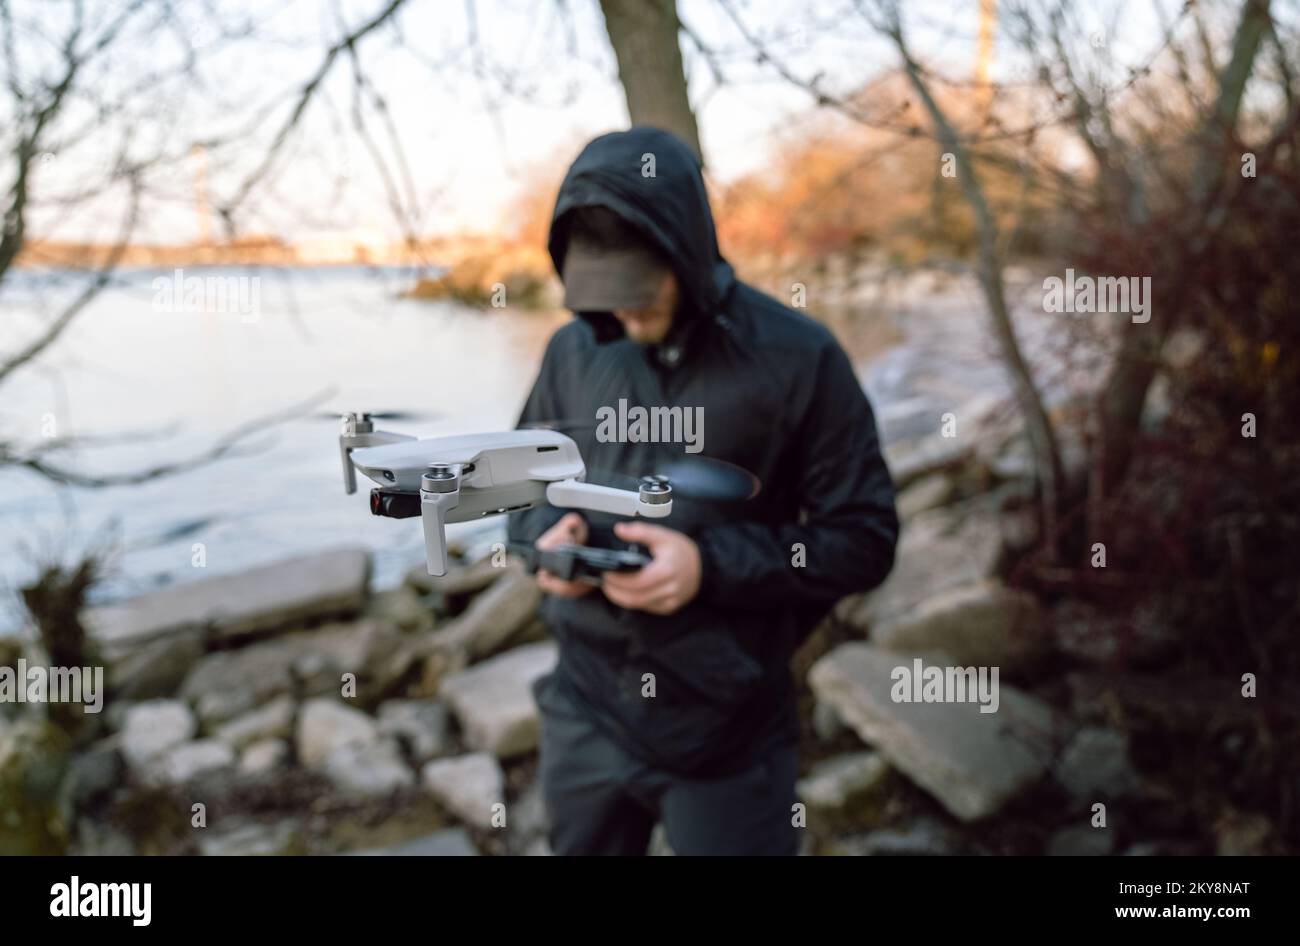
{"x":394,"y":504}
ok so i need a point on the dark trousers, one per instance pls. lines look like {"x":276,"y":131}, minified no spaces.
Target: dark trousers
{"x":602,"y":800}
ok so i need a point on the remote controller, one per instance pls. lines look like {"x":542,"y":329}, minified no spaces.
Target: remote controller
{"x":581,"y":562}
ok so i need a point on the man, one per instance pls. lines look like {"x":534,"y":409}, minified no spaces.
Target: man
{"x":673,"y":699}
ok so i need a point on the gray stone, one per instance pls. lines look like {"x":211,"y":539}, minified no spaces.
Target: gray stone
{"x":229,"y":683}
{"x":488,"y":624}
{"x":1082,"y":841}
{"x":422,"y":726}
{"x":924,"y":837}
{"x":153,"y":727}
{"x":403,"y":608}
{"x":982,"y":623}
{"x":467,"y":786}
{"x":325,"y":724}
{"x":494,"y":701}
{"x":94,"y":772}
{"x":937,"y":551}
{"x":659,"y":846}
{"x":272,"y":721}
{"x":459,"y":581}
{"x":1095,"y":767}
{"x":155,"y":668}
{"x":1138,"y":635}
{"x":449,"y":842}
{"x":372,"y":769}
{"x":251,"y":840}
{"x":271,"y":597}
{"x":100,"y":840}
{"x":826,"y":723}
{"x":528,"y":820}
{"x":972,"y":762}
{"x":928,"y":492}
{"x":189,"y":761}
{"x":264,"y":758}
{"x":837,"y":781}
{"x":909,"y":461}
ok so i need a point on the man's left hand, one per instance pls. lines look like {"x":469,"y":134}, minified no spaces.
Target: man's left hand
{"x":668,"y":583}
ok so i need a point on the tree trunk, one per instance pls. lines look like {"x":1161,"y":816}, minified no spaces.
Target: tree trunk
{"x":644,"y":36}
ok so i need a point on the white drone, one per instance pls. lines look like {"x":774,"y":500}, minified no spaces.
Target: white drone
{"x":457,"y":479}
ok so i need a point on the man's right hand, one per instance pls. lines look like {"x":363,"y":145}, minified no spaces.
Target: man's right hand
{"x":571,"y":529}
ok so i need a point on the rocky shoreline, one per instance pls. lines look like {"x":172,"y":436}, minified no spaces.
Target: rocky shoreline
{"x":290,"y":710}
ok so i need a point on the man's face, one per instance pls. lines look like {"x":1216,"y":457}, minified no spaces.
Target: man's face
{"x":649,"y":325}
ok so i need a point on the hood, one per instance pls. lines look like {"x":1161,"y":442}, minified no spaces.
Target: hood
{"x":665,"y":199}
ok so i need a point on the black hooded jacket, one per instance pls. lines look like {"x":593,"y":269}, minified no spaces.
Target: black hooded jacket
{"x":779,"y":397}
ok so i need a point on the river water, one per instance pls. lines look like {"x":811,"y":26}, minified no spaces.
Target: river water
{"x":145,"y":382}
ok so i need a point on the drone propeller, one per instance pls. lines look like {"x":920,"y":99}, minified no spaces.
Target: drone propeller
{"x":692,"y":476}
{"x":380,"y":415}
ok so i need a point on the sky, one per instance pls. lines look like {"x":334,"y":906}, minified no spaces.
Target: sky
{"x":475,"y":126}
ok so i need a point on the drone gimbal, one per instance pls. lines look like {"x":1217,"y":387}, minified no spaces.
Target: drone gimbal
{"x":461,"y":478}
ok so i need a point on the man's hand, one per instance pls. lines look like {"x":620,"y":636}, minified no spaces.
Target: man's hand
{"x":572,"y":528}
{"x":668,"y":583}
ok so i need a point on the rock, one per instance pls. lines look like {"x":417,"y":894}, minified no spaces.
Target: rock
{"x":1243,"y":834}
{"x":272,"y":721}
{"x":402,"y":608}
{"x":826,"y":723}
{"x":527,"y":818}
{"x":1095,"y":767}
{"x":1169,"y":847}
{"x":450,"y":842}
{"x":835,"y":782}
{"x":153,"y":727}
{"x":982,"y":623}
{"x":659,"y":846}
{"x":259,"y":600}
{"x":189,"y":761}
{"x":1141,"y":635}
{"x":252,"y":840}
{"x":368,"y":769}
{"x":928,"y":492}
{"x":494,"y":701}
{"x":421,"y":726}
{"x":1082,"y":841}
{"x":100,"y":840}
{"x":227,"y":684}
{"x":938,"y":550}
{"x":459,"y":582}
{"x":467,"y":786}
{"x":155,"y":668}
{"x":972,"y":762}
{"x":34,"y":759}
{"x":489,"y":623}
{"x":324,"y":725}
{"x":264,"y":757}
{"x":94,"y":772}
{"x":924,"y":837}
{"x":909,"y":461}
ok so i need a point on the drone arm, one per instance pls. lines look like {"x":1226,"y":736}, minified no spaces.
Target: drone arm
{"x":433,"y":516}
{"x":349,"y":474}
{"x":573,"y":494}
